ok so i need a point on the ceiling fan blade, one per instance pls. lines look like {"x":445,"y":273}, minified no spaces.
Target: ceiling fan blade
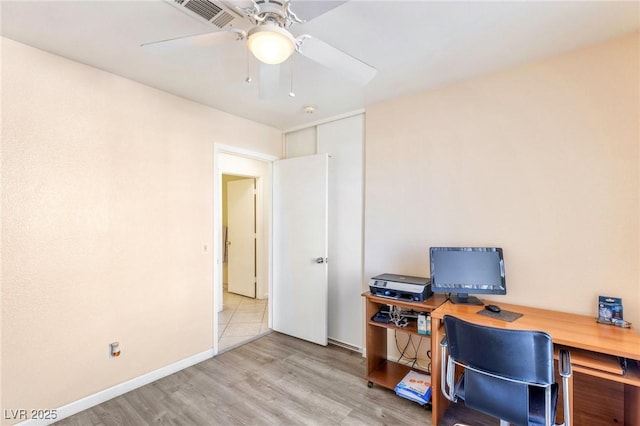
{"x":208,"y":39}
{"x":269,"y":81}
{"x":335,"y":59}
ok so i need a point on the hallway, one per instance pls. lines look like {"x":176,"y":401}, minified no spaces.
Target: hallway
{"x":241,"y":320}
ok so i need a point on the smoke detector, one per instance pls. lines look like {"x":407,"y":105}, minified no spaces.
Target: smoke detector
{"x":309,"y":109}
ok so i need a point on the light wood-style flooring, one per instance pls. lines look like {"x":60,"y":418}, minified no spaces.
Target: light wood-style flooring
{"x":274,"y":380}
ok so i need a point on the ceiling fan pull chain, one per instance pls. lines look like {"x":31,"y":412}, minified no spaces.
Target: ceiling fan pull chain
{"x":248,"y":79}
{"x":291,"y":92}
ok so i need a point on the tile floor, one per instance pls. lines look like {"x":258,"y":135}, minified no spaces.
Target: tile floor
{"x":241,"y":320}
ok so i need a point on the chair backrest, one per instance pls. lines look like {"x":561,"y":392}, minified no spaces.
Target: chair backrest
{"x":503,"y":368}
{"x":515,"y":354}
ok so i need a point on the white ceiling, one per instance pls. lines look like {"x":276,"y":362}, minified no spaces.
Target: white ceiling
{"x":414,"y":45}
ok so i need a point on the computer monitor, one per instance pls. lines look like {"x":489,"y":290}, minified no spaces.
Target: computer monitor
{"x":461,"y":271}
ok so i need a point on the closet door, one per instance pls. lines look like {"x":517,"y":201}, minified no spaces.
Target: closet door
{"x":343,"y":140}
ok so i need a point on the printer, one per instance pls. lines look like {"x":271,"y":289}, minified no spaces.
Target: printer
{"x":401,"y":287}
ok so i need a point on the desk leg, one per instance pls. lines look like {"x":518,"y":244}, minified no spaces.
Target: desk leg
{"x":560,"y":413}
{"x":438,"y":403}
{"x":571,"y":411}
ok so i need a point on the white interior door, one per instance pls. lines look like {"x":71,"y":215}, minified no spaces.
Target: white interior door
{"x":241,"y":241}
{"x":300,"y":223}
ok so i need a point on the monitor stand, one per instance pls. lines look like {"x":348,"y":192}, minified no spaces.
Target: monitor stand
{"x":465,"y":299}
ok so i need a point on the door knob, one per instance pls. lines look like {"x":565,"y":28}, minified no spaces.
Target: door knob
{"x":320,"y":260}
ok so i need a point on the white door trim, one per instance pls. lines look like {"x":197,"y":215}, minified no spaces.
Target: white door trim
{"x":263,"y":198}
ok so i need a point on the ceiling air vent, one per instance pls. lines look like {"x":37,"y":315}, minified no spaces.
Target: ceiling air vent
{"x":222,"y":19}
{"x":216,"y":14}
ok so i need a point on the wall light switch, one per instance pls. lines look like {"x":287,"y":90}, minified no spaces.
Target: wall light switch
{"x":114,"y":349}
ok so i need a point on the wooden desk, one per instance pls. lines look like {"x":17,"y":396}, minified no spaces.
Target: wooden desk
{"x":599,"y":396}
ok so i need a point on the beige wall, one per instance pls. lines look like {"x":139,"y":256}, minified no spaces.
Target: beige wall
{"x":541,"y":160}
{"x":107,"y":202}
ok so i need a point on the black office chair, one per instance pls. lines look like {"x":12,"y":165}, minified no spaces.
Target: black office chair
{"x":508,"y":374}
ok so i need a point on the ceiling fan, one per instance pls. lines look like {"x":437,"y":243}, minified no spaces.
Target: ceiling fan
{"x":269,"y":39}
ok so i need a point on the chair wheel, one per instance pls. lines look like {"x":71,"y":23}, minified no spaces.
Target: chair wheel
{"x":370,"y":384}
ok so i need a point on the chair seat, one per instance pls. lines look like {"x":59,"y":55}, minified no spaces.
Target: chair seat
{"x":536,"y":401}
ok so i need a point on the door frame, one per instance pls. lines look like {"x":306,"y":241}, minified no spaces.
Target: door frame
{"x":263,"y":200}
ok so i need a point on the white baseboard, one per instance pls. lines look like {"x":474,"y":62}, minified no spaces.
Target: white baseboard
{"x":122,"y":388}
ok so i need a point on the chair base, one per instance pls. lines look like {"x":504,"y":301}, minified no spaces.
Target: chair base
{"x":461,"y":414}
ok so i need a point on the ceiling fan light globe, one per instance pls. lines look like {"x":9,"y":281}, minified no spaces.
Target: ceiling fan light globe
{"x":270,"y":44}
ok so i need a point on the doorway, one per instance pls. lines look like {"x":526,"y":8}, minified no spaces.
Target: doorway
{"x":263,"y":170}
{"x":235,"y":315}
{"x":244,"y":316}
